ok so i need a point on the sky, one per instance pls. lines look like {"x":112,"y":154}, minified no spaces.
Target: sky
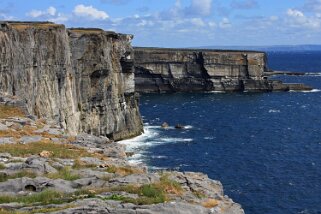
{"x":183,"y":23}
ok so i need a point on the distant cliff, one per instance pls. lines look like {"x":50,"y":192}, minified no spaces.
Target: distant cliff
{"x":81,"y":78}
{"x":173,"y":70}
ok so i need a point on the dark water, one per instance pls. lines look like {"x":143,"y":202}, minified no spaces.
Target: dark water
{"x":265,"y":147}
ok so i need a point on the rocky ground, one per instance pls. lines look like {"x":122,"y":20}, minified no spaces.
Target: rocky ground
{"x":44,"y":170}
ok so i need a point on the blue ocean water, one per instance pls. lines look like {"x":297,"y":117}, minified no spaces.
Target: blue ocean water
{"x":265,"y":148}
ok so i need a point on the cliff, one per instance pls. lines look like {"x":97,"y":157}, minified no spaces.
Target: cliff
{"x":81,"y":78}
{"x":172,"y":70}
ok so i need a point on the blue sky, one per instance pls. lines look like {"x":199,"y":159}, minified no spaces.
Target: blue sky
{"x":183,"y":23}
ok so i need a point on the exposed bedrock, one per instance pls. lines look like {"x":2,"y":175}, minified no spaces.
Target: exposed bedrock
{"x":81,"y":78}
{"x":172,"y":70}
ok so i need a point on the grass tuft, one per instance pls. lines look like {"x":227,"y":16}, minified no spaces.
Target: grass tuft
{"x":78,"y":164}
{"x":210,"y":203}
{"x":65,"y":174}
{"x":2,"y":166}
{"x":21,"y":174}
{"x":57,"y":150}
{"x":123,"y":171}
{"x":46,"y":197}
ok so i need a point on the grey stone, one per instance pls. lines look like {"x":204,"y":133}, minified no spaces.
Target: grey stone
{"x":172,"y":70}
{"x":92,"y":161}
{"x":90,"y":140}
{"x":14,"y":186}
{"x":35,"y":164}
{"x":30,"y":139}
{"x":6,"y":140}
{"x":59,"y":75}
{"x":85,"y":173}
{"x":115,"y":150}
{"x":135,"y":179}
{"x":3,"y":127}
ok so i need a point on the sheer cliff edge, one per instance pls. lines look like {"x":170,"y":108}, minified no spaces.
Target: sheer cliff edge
{"x":183,"y":70}
{"x":81,"y":78}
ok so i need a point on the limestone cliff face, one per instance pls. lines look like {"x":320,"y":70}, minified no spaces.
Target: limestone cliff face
{"x":82,"y":79}
{"x":171,"y":70}
{"x":103,"y":67}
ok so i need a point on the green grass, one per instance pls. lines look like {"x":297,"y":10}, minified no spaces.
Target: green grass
{"x":123,"y":171}
{"x":46,"y":197}
{"x":57,"y":150}
{"x":78,"y":164}
{"x":21,"y":174}
{"x":2,"y":166}
{"x":65,"y":174}
{"x":148,"y":194}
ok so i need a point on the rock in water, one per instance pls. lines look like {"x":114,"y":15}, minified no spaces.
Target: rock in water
{"x":179,"y":126}
{"x":165,"y":125}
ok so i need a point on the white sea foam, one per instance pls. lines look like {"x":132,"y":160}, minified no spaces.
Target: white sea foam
{"x":311,"y":91}
{"x":216,"y":92}
{"x":150,"y":137}
{"x":274,"y":111}
{"x":150,"y":132}
{"x":188,"y":127}
{"x":175,"y":140}
{"x":315,"y":74}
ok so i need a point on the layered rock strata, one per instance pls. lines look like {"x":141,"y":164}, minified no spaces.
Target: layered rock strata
{"x":173,"y":70}
{"x":81,"y":78}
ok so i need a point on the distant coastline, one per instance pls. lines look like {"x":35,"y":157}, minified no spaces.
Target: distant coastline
{"x":266,"y":48}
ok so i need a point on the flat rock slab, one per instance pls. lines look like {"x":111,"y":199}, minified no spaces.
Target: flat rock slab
{"x":30,"y":139}
{"x":6,"y":140}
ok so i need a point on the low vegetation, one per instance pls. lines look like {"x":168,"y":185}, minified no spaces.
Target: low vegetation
{"x":87,"y":31}
{"x":65,"y":174}
{"x":2,"y":166}
{"x":149,"y":193}
{"x":10,"y":111}
{"x":21,"y":174}
{"x":46,"y":197}
{"x":26,"y":131}
{"x":57,"y":150}
{"x":24,"y":26}
{"x":210,"y":203}
{"x":123,"y":171}
{"x":78,"y":164}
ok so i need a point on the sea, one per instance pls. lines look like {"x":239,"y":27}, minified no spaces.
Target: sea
{"x":265,"y":148}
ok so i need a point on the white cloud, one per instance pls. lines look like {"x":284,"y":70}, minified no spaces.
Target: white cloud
{"x":297,"y":18}
{"x":6,"y":17}
{"x":312,"y":5}
{"x":225,"y":23}
{"x":200,"y":7}
{"x":90,"y":12}
{"x":212,"y":24}
{"x":294,"y":13}
{"x":244,"y":4}
{"x":198,"y":22}
{"x":51,"y":11}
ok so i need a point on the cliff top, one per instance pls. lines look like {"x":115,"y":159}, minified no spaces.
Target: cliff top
{"x":25,"y":25}
{"x":196,"y":50}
